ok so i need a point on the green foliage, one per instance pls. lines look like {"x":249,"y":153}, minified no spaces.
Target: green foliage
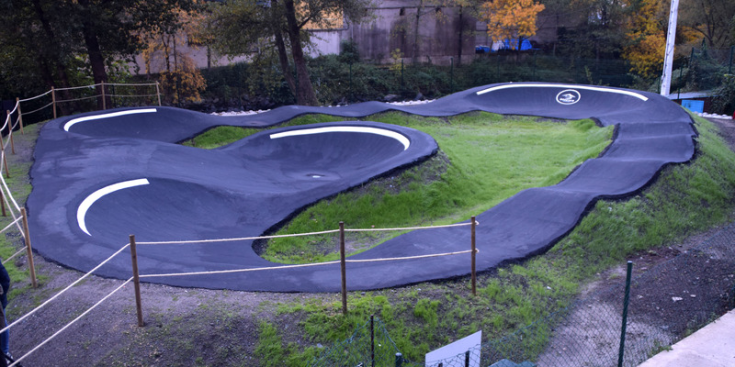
{"x":724,"y":96}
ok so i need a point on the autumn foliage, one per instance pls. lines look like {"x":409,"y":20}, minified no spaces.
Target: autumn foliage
{"x":509,"y":19}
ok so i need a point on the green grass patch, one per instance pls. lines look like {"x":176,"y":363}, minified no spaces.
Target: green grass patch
{"x":686,"y":198}
{"x":491,"y":158}
{"x":224,"y":135}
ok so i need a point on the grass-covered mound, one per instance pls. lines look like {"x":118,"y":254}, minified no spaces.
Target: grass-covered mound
{"x":686,"y":198}
{"x":485,"y":158}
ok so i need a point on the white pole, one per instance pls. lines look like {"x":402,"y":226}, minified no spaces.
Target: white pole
{"x":669,"y":56}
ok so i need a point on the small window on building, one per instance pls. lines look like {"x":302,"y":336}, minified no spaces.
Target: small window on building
{"x":402,"y":12}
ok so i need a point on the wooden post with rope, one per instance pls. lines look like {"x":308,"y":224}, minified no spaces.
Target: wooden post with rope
{"x":343,"y":266}
{"x":474,"y":256}
{"x":29,"y":249}
{"x":10,"y":131}
{"x":102,"y":88}
{"x":20,"y":115}
{"x":158,"y":93}
{"x":136,"y":280}
{"x":5,"y":159}
{"x":53,"y":100}
{"x":2,"y":202}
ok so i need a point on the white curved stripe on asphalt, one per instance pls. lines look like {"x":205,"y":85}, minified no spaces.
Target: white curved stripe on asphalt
{"x":87,"y":203}
{"x":72,"y":122}
{"x":345,"y":129}
{"x":572,"y":86}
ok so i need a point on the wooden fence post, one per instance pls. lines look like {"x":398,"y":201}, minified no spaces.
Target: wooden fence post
{"x":343,"y":266}
{"x":5,"y":159}
{"x":53,"y":100}
{"x":20,"y":115}
{"x":10,"y":132}
{"x":136,"y":280}
{"x":2,"y":202}
{"x":29,"y":249}
{"x":474,"y":257}
{"x":158,"y":93}
{"x":102,"y":88}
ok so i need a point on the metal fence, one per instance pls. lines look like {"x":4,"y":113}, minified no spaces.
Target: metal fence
{"x":667,"y":303}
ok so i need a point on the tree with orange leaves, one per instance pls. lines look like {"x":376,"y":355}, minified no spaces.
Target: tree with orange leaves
{"x":511,"y":19}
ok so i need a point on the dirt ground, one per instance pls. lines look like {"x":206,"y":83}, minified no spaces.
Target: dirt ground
{"x":197,"y":327}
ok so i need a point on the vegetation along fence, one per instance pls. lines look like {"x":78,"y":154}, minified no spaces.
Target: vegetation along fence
{"x":622,"y":325}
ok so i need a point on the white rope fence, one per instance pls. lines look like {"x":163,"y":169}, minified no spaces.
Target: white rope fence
{"x":33,"y":311}
{"x":70,"y":323}
{"x":305,"y":265}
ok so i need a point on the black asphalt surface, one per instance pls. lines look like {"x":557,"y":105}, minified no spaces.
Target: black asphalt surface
{"x":249,"y":187}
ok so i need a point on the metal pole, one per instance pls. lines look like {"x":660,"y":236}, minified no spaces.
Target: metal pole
{"x":29,"y":249}
{"x":53,"y":100}
{"x":625,"y":313}
{"x":669,"y":55}
{"x":399,"y":360}
{"x":350,"y":95}
{"x":451,"y":75}
{"x":372,"y":341}
{"x":467,"y":359}
{"x":20,"y":115}
{"x":474,"y":257}
{"x":136,"y":280}
{"x":343,"y":266}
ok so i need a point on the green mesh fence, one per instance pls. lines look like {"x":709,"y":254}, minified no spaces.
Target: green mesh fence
{"x":370,"y":345}
{"x":693,"y":288}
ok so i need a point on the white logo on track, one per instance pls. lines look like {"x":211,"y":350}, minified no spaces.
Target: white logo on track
{"x":568,"y":97}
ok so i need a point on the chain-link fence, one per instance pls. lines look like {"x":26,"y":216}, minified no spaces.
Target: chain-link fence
{"x":370,"y":345}
{"x":667,"y":303}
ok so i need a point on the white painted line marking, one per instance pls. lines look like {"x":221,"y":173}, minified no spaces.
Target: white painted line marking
{"x":72,"y":122}
{"x":87,"y":203}
{"x":573,"y":86}
{"x":345,"y":129}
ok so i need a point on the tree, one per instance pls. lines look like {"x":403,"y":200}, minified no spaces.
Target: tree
{"x":511,"y":19}
{"x":646,"y":37}
{"x":54,"y":33}
{"x":711,"y":18}
{"x":241,"y":26}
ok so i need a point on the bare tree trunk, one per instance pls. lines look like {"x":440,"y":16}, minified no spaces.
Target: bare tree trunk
{"x":416,"y":47}
{"x":459,"y":41}
{"x":96,"y":60}
{"x":283,"y":59}
{"x":305,"y":94}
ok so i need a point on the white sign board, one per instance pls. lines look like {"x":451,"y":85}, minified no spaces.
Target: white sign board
{"x":454,"y":354}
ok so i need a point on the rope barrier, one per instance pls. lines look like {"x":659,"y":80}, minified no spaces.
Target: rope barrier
{"x":71,"y":323}
{"x":36,"y":110}
{"x":298,"y":235}
{"x":82,"y":87}
{"x":11,"y":224}
{"x":36,"y":97}
{"x":15,"y":108}
{"x":237,"y":239}
{"x":10,"y":208}
{"x":64,"y":290}
{"x":231,"y":271}
{"x":408,"y":228}
{"x":5,"y":185}
{"x":14,"y":255}
{"x":131,"y":84}
{"x":77,"y":99}
{"x":130,"y":95}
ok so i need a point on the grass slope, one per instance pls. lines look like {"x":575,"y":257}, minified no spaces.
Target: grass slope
{"x":686,"y":198}
{"x":492,"y":158}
